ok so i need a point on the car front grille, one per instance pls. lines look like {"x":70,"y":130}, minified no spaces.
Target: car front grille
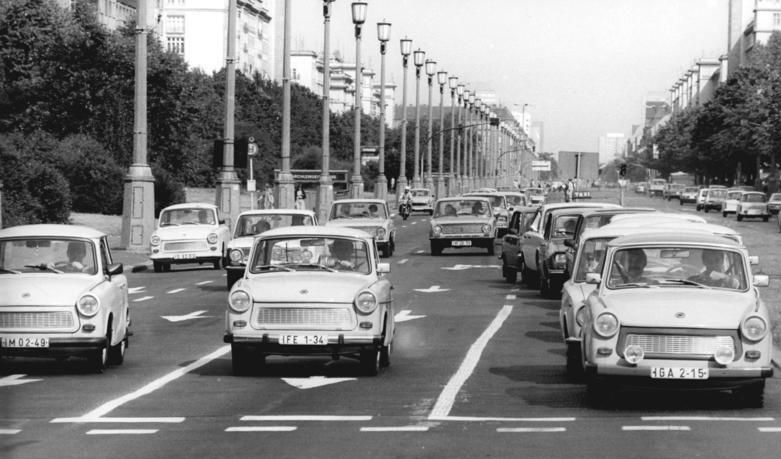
{"x":463,"y":229}
{"x":38,"y":320}
{"x":185,"y":246}
{"x":704,"y":346}
{"x":304,"y":318}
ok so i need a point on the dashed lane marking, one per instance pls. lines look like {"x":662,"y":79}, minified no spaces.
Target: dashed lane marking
{"x":499,"y":419}
{"x":511,"y":297}
{"x":176,"y":290}
{"x":133,"y":290}
{"x":531,"y":429}
{"x":421,"y":251}
{"x":655,"y":428}
{"x":262,"y":429}
{"x":118,"y":420}
{"x":706,"y":418}
{"x":9,"y":431}
{"x":143,"y":298}
{"x":121,"y":431}
{"x":304,"y":417}
{"x":204,"y":282}
{"x":769,"y":429}
{"x":401,"y":262}
{"x":396,"y":429}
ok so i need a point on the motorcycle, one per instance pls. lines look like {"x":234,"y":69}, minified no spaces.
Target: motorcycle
{"x":405,"y":209}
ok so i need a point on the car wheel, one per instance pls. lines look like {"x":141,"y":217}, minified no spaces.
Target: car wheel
{"x":116,"y":354}
{"x":574,"y":365}
{"x":681,"y":202}
{"x":752,"y":396}
{"x":509,"y":274}
{"x":491,"y":249}
{"x":166,"y":267}
{"x":764,"y":219}
{"x":217,"y":263}
{"x":244,"y":362}
{"x":436,"y":249}
{"x":706,"y":209}
{"x":97,"y":359}
{"x":724,"y":214}
{"x":385,"y":353}
{"x":740,"y":218}
{"x":157,"y":266}
{"x":529,"y":278}
{"x":370,"y":361}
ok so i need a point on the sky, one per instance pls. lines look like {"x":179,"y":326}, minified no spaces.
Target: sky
{"x":583,"y":67}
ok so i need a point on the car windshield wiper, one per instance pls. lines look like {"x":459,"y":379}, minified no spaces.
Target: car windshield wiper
{"x":634,"y":284}
{"x":9,"y":271}
{"x":315,"y":265}
{"x":169,"y":224}
{"x":44,"y":267}
{"x":685,"y":282}
{"x":274,"y":268}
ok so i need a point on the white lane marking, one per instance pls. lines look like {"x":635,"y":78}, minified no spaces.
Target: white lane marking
{"x":463,"y":267}
{"x":262,"y":429}
{"x":495,"y":419}
{"x":121,"y":431}
{"x":421,"y":251}
{"x":432,"y":289}
{"x":204,"y":282}
{"x":176,"y":290}
{"x":531,"y":429}
{"x":133,"y":290}
{"x":118,"y":420}
{"x":305,"y":417}
{"x":511,"y":297}
{"x":314,"y":381}
{"x":516,"y":289}
{"x":414,"y":223}
{"x":16,"y":380}
{"x":655,"y":428}
{"x":190,"y":316}
{"x":396,"y":429}
{"x":448,"y":395}
{"x":9,"y":431}
{"x":705,"y":418}
{"x":770,"y":429}
{"x":156,"y":384}
{"x":404,"y":315}
{"x":143,"y":298}
{"x":401,"y":262}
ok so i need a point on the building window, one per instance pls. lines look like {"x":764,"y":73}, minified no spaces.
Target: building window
{"x":174,"y":25}
{"x":175,"y":45}
{"x":175,"y":2}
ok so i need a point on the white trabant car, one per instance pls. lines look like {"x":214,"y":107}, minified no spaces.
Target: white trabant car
{"x":752,"y":204}
{"x":369,"y":215}
{"x":189,"y":233}
{"x":676,"y":311}
{"x":462,"y":222}
{"x":422,"y":200}
{"x":730,"y":205}
{"x":62,"y":295}
{"x":253,"y":222}
{"x":311,"y":290}
{"x":535,"y":196}
{"x":514,"y":200}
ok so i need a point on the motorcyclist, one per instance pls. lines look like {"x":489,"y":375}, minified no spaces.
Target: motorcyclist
{"x":406,"y":198}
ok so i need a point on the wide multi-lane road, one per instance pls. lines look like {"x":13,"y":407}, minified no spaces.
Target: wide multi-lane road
{"x":477,"y":371}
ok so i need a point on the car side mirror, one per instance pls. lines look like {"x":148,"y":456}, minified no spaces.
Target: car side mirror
{"x":593,"y":278}
{"x":569,"y":243}
{"x":753,"y":260}
{"x":383,"y":268}
{"x":761,"y":280}
{"x":114,"y":269}
{"x":222,"y":221}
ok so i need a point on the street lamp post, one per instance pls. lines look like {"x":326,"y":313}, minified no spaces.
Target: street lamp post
{"x":326,"y":188}
{"x":451,"y":178}
{"x":459,"y":181}
{"x":406,"y":49}
{"x":383,"y":34}
{"x":473,"y":146}
{"x":359,"y":17}
{"x":419,"y":57}
{"x":440,"y":181}
{"x":431,"y":68}
{"x":467,"y":177}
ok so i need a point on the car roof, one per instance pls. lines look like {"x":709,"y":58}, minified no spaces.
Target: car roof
{"x":191,"y":205}
{"x":619,"y":231}
{"x":277,"y":212}
{"x":674,"y":237}
{"x":753,"y":192}
{"x":658,"y":216}
{"x":619,"y":210}
{"x":49,"y":229}
{"x":336,"y":231}
{"x":348,"y":201}
{"x":462,"y":197}
{"x":572,"y":205}
{"x":525,"y":209}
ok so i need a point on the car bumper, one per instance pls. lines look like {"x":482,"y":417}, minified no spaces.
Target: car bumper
{"x":457,"y":242}
{"x":58,"y":347}
{"x":337,"y":343}
{"x":718,"y":378}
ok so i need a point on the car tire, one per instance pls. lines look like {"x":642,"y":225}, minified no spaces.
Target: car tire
{"x":98,"y":359}
{"x":706,"y":209}
{"x":528,"y":278}
{"x":217,"y":263}
{"x":491,"y":249}
{"x":245,"y":362}
{"x":158,"y":266}
{"x":116,"y":354}
{"x":751,"y":396}
{"x":740,"y":218}
{"x":385,"y":355}
{"x":370,"y":361}
{"x":574,"y":365}
{"x":764,"y":219}
{"x":436,"y":249}
{"x":510,"y":275}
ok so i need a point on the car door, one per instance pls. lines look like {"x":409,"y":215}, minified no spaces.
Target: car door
{"x":531,"y":242}
{"x":114,"y":291}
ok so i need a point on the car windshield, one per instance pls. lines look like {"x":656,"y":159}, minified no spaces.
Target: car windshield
{"x":250,"y":225}
{"x":358,"y":210}
{"x":515,"y":199}
{"x":187,"y":216}
{"x":734,"y":194}
{"x":296,"y":253}
{"x":47,"y":255}
{"x":691,"y":189}
{"x":420,"y":193}
{"x":751,"y":197}
{"x":652,"y":267}
{"x":461,"y":208}
{"x":564,"y":226}
{"x":717,"y":193}
{"x":775,"y":197}
{"x":592,"y":257}
{"x":534,"y":191}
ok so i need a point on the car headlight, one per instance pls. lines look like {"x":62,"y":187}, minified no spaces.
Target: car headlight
{"x":236,"y":255}
{"x":211,"y":238}
{"x":88,"y":305}
{"x":380,"y":233}
{"x":486,"y":229}
{"x":240,"y":301}
{"x":606,"y":325}
{"x":436,"y":230}
{"x":634,"y":354}
{"x":366,"y":302}
{"x":154,"y":240}
{"x":724,"y":354}
{"x":754,"y":328}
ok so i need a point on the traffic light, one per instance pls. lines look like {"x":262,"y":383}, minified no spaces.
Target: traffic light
{"x":622,"y":171}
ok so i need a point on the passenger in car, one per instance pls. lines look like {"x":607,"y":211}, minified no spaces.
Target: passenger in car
{"x":713,"y":274}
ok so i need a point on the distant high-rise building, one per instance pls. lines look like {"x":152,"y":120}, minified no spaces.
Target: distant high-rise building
{"x":611,"y":145}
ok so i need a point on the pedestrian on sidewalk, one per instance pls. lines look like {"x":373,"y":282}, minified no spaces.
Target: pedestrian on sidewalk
{"x":300,"y":198}
{"x":266,"y":200}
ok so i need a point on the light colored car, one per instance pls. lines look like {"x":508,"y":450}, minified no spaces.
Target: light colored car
{"x":672,"y":191}
{"x":514,"y":199}
{"x":640,"y":188}
{"x":702,"y":195}
{"x":369,"y":215}
{"x":62,"y":295}
{"x":714,"y":200}
{"x":535,"y":196}
{"x":499,"y":205}
{"x":253,"y":222}
{"x":422,"y":200}
{"x":655,"y":217}
{"x":730,"y":205}
{"x":311,"y":290}
{"x":689,"y":194}
{"x":189,"y":233}
{"x":774,"y":203}
{"x":520,"y":219}
{"x":462,"y":222}
{"x":676,"y":310}
{"x":752,"y":204}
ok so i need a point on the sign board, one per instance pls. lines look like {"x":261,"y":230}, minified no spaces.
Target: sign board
{"x":250,"y":185}
{"x":252,"y":149}
{"x":622,"y":182}
{"x":540,"y":165}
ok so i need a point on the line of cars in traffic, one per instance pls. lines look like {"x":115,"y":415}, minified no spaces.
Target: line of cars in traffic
{"x":648,"y":299}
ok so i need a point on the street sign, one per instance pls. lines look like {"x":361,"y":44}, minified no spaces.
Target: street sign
{"x":252,"y":148}
{"x":250,"y":185}
{"x":540,"y":165}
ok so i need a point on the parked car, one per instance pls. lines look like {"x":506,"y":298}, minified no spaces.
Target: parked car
{"x":422,"y":200}
{"x":189,"y":233}
{"x":500,"y":208}
{"x":656,"y":187}
{"x":62,"y":295}
{"x":753,"y":204}
{"x":689,"y":194}
{"x":535,"y":196}
{"x":774,"y":203}
{"x":673,"y":191}
{"x":640,"y":188}
{"x":558,"y":227}
{"x":370,"y":215}
{"x":714,"y":200}
{"x":702,"y":195}
{"x":520,"y":220}
{"x":311,"y":290}
{"x":462,"y":222}
{"x":730,"y":204}
{"x":676,"y":310}
{"x":253,"y":222}
{"x":514,"y":200}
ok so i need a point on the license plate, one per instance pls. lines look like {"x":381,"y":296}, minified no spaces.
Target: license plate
{"x":461,"y":243}
{"x":184,"y":256}
{"x":679,"y":373}
{"x":753,"y":211}
{"x":304,"y":340}
{"x":24,"y":341}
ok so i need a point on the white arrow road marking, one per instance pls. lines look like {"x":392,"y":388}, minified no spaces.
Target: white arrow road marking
{"x":176,"y":290}
{"x":314,"y":381}
{"x":404,"y":315}
{"x":16,"y":380}
{"x":432,"y":289}
{"x":133,"y":290}
{"x":190,"y":316}
{"x":463,"y":267}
